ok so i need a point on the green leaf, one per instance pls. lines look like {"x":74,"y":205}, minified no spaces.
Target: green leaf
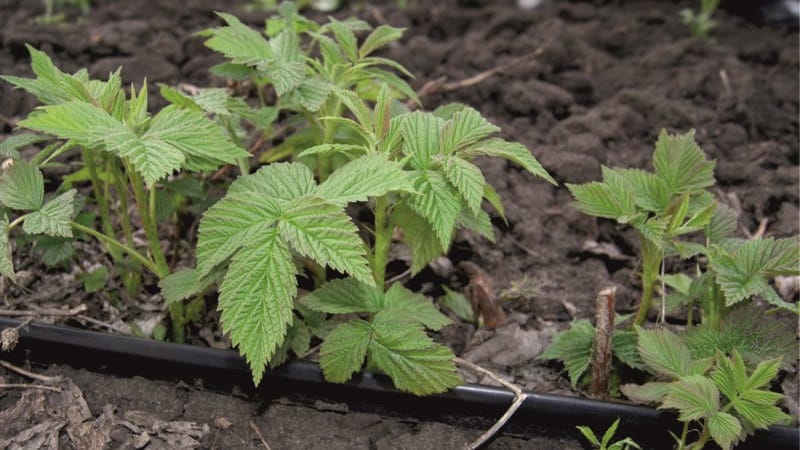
{"x":609,"y":434}
{"x":480,"y":223}
{"x":345,"y":38}
{"x":344,"y":296}
{"x":6,"y":264}
{"x":652,"y":229}
{"x":256,"y":298}
{"x":760,"y":416}
{"x":457,"y":303}
{"x":421,"y":133}
{"x":311,"y":93}
{"x":322,"y":231}
{"x":399,"y":85}
{"x":184,"y":284}
{"x":54,"y":250}
{"x":344,"y":350}
{"x":412,"y":359}
{"x":651,"y":193}
{"x":491,"y":196}
{"x":625,"y":346}
{"x":437,"y":202}
{"x":612,"y":199}
{"x":278,"y":181}
{"x":240,"y":43}
{"x":368,"y":176}
{"x":467,"y":179}
{"x":664,"y":352}
{"x":231,"y":223}
{"x":51,"y":85}
{"x":53,"y":218}
{"x":22,"y":186}
{"x":95,"y":280}
{"x":379,"y":37}
{"x":354,"y":103}
{"x":724,"y":428}
{"x":465,"y":128}
{"x":695,"y":397}
{"x":652,"y":392}
{"x":512,"y":151}
{"x":349,"y":150}
{"x":403,"y":305}
{"x":10,"y":145}
{"x":723,"y":224}
{"x":681,"y":163}
{"x":762,"y":375}
{"x":573,"y":347}
{"x":418,"y":235}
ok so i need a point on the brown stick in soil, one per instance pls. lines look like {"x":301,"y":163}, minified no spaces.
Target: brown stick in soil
{"x":29,"y":386}
{"x":43,"y":312}
{"x":480,"y":292}
{"x":260,"y":436}
{"x":31,"y":375}
{"x":519,"y":398}
{"x":603,"y":346}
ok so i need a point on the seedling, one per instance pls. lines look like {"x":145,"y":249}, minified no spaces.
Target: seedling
{"x":415,"y":171}
{"x":52,"y":8}
{"x":725,"y":399}
{"x":700,"y":22}
{"x":605,"y":443}
{"x":123,"y":150}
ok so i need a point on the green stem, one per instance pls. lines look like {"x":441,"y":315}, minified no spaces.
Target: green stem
{"x":704,"y":436}
{"x":328,"y":135}
{"x":16,"y":222}
{"x":652,"y":258}
{"x":715,"y":305}
{"x":383,"y":241}
{"x":100,"y":198}
{"x":122,"y":193}
{"x":146,"y":209}
{"x":111,"y":242}
{"x":684,"y":434}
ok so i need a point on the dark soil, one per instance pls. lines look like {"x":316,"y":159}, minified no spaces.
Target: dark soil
{"x":583,"y":84}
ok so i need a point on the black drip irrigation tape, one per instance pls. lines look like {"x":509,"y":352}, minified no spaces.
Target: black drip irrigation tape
{"x":469,"y":405}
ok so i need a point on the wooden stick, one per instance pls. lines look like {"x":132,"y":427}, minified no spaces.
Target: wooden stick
{"x":519,"y":398}
{"x":29,"y":386}
{"x":43,"y":312}
{"x":260,"y":436}
{"x":602,"y":347}
{"x":25,"y":373}
{"x":480,"y":292}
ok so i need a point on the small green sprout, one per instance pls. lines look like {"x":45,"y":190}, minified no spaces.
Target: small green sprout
{"x":605,"y":443}
{"x":701,"y":23}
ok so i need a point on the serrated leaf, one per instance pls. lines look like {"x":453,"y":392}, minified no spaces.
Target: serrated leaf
{"x":51,"y":85}
{"x":345,"y":38}
{"x":344,"y":296}
{"x":723,"y":224}
{"x":184,"y":284}
{"x":371,"y":175}
{"x":512,"y":151}
{"x":465,"y":128}
{"x":400,"y":86}
{"x":651,"y":193}
{"x":762,"y":375}
{"x":344,"y":350}
{"x":418,"y":235}
{"x":232,"y":222}
{"x":279,"y":181}
{"x":611,"y":199}
{"x":311,"y":93}
{"x":437,"y":202}
{"x":256,"y":298}
{"x":11,"y":144}
{"x":467,"y":179}
{"x":53,"y":218}
{"x":414,"y":362}
{"x":379,"y":37}
{"x":349,"y":150}
{"x":22,"y":186}
{"x":652,"y":229}
{"x":760,"y":416}
{"x":625,"y":348}
{"x":491,"y":196}
{"x":6,"y":264}
{"x":573,"y":347}
{"x":403,"y":305}
{"x":480,"y":223}
{"x":589,"y":435}
{"x":357,"y":106}
{"x":695,"y":397}
{"x":421,"y":133}
{"x":664,"y":352}
{"x":724,"y":428}
{"x":652,"y":392}
{"x":54,"y":250}
{"x":240,"y":43}
{"x":322,"y":231}
{"x":681,"y":163}
{"x":95,"y":280}
{"x":458,"y":304}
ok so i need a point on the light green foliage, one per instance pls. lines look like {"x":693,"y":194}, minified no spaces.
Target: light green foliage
{"x":700,"y":22}
{"x":605,"y":443}
{"x":720,"y":394}
{"x":94,"y":280}
{"x":393,"y":340}
{"x":573,"y":347}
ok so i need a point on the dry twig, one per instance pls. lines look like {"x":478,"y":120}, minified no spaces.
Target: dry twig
{"x":43,"y":312}
{"x":260,"y":436}
{"x":31,"y":375}
{"x":480,"y":291}
{"x":603,"y":334}
{"x":519,"y":398}
{"x":29,"y":386}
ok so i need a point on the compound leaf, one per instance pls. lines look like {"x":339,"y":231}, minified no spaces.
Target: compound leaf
{"x":240,"y":43}
{"x":467,"y":179}
{"x":724,"y":428}
{"x":344,"y":350}
{"x":279,"y":181}
{"x":611,"y":199}
{"x":681,"y":163}
{"x":322,"y":231}
{"x":695,"y":397}
{"x":573,"y":347}
{"x":22,"y":186}
{"x":54,"y":217}
{"x":665,"y":352}
{"x":368,"y":176}
{"x":256,"y":298}
{"x":512,"y":151}
{"x":464,"y":128}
